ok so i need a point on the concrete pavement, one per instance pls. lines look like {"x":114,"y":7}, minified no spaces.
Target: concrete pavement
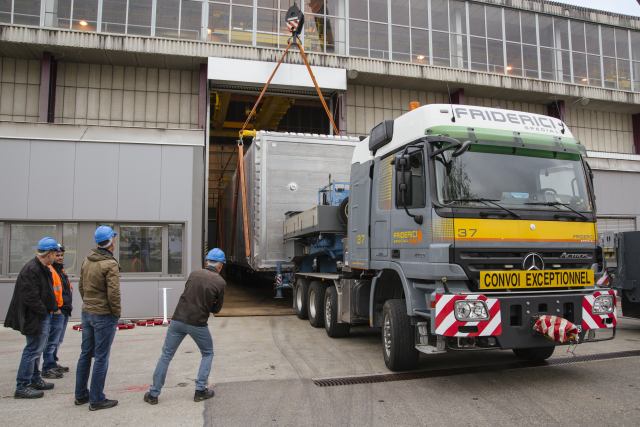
{"x":263,"y":369}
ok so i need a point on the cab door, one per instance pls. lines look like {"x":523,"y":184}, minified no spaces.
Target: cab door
{"x":381,"y":204}
{"x":409,"y":240}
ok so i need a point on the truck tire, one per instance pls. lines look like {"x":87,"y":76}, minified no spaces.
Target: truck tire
{"x":537,"y":353}
{"x":331,"y":325}
{"x":398,"y":337}
{"x":630,"y":308}
{"x":316,"y":303}
{"x":343,"y":211}
{"x":300,"y":295}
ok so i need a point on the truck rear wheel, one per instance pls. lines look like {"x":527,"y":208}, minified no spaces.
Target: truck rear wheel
{"x":537,"y":353}
{"x":302,"y":289}
{"x":398,"y":337}
{"x":331,"y":325}
{"x":316,"y":304}
{"x":343,"y":211}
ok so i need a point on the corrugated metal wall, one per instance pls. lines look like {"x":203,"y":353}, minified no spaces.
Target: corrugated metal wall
{"x":126,"y":96}
{"x":19,"y":89}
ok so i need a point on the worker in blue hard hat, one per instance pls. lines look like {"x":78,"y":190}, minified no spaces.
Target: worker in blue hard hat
{"x":30,"y":311}
{"x":203,"y":294}
{"x":99,"y":288}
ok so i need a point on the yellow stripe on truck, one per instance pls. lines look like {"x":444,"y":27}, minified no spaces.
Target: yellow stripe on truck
{"x":503,"y":230}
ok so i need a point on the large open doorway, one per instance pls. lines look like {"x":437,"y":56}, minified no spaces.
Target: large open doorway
{"x":279,"y":110}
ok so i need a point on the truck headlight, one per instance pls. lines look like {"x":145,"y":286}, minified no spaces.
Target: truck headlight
{"x":603,"y":305}
{"x":471,"y":311}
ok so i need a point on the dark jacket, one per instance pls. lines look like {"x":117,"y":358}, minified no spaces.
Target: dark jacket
{"x":67,"y":294}
{"x":33,"y":299}
{"x":203,"y":294}
{"x":99,"y":284}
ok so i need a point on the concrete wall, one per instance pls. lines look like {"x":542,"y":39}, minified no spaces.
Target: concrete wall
{"x":367,"y":106}
{"x":19,"y":89}
{"x":126,"y":96}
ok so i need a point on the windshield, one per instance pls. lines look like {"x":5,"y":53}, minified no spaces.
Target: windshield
{"x":511,"y":180}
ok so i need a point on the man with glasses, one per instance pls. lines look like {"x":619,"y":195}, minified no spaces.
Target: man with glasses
{"x":99,"y":288}
{"x":32,"y":305}
{"x":63,"y":291}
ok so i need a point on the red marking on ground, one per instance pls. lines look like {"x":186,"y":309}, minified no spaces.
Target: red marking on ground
{"x":134,"y":389}
{"x":12,"y":351}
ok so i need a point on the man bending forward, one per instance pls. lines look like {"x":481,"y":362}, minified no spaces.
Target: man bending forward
{"x":203,"y":294}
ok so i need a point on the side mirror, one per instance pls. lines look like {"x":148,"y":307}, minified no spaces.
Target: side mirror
{"x":402,"y":163}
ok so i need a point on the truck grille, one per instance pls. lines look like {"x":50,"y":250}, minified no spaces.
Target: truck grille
{"x":474,"y":261}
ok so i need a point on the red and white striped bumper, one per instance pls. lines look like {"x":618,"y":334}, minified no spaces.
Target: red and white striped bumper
{"x":594,"y":321}
{"x":447,"y":325}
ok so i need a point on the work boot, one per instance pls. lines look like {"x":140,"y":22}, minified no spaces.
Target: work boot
{"x":82,"y":400}
{"x":105,"y":404}
{"x":52,"y":374}
{"x":61,"y":368}
{"x":202,"y":395}
{"x":42,"y":385}
{"x":28,"y":393}
{"x":150,"y":399}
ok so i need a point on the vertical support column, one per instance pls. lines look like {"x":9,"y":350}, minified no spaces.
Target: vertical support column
{"x":203,"y":97}
{"x":556,"y":109}
{"x":45,"y":82}
{"x":458,"y":97}
{"x":635,"y":119}
{"x":342,"y":113}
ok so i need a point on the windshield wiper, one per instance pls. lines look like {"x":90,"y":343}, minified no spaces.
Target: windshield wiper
{"x":486,"y":201}
{"x":556,"y":205}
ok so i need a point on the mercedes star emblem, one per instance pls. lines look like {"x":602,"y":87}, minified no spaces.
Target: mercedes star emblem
{"x":533,"y":261}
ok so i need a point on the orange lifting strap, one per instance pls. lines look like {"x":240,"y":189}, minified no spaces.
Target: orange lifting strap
{"x":295,"y":22}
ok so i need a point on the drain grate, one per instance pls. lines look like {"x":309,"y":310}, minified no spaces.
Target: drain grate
{"x":371,"y":379}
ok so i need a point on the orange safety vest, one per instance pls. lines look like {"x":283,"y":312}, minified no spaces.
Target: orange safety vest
{"x":57,"y":285}
{"x":133,"y":266}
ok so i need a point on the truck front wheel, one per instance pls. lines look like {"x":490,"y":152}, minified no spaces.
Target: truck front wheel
{"x":316,"y":304}
{"x":331,"y":325}
{"x":398,"y":337}
{"x":537,"y":353}
{"x":301,"y":298}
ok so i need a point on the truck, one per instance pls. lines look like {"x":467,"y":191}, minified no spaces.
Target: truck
{"x":463,"y":227}
{"x":624,"y":276}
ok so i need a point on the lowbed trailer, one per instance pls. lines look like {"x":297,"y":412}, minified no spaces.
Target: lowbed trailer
{"x":283,"y":172}
{"x":468,"y":228}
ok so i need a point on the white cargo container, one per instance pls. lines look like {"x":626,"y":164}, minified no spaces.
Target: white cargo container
{"x":283,"y":172}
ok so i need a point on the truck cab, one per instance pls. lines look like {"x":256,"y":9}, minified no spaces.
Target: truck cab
{"x":466,"y":226}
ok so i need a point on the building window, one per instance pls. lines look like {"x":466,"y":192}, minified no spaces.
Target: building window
{"x":85,"y":15}
{"x":241,"y":25}
{"x":5,"y":11}
{"x":140,"y":249}
{"x":114,"y":16}
{"x":219,"y":21}
{"x":23,"y":243}
{"x":26,"y":12}
{"x":174,"y":250}
{"x":70,"y":243}
{"x":139,"y":17}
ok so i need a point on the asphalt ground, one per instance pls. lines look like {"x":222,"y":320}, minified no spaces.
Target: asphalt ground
{"x":263,"y":373}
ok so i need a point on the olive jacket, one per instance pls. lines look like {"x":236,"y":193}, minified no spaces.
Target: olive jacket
{"x":99,"y":284}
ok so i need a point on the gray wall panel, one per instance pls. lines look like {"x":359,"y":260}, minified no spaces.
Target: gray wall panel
{"x":617,"y":192}
{"x":96,"y":182}
{"x":51,"y":170}
{"x":173,"y":295}
{"x":139,"y":299}
{"x":14,"y":170}
{"x":175,"y":182}
{"x":195,"y":228}
{"x":139,"y":182}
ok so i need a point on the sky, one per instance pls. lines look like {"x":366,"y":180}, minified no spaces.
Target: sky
{"x":625,"y":7}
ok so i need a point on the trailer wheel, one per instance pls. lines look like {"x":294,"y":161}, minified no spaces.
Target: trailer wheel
{"x":343,"y":211}
{"x":331,"y":325}
{"x":629,"y":308}
{"x":302,"y":289}
{"x":398,"y":337}
{"x":537,"y":353}
{"x":316,"y":303}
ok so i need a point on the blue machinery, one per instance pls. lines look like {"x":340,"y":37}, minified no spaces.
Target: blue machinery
{"x":322,"y":250}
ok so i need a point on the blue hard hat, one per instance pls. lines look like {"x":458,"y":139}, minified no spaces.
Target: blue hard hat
{"x":216,"y":255}
{"x":103,"y":233}
{"x":47,"y":244}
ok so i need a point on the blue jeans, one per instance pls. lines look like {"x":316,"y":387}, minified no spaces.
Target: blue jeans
{"x":56,"y":333}
{"x":29,"y":369}
{"x":97,"y":336}
{"x":64,"y":329}
{"x":175,"y":334}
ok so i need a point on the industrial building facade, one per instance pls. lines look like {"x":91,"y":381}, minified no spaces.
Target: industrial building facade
{"x":126,"y":112}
